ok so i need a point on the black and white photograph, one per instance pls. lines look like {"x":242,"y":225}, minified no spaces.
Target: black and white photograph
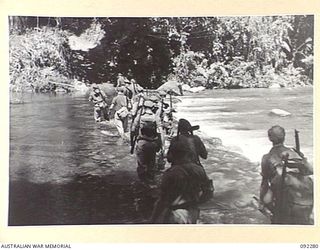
{"x":161,"y":120}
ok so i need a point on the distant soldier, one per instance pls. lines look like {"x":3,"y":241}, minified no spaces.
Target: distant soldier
{"x":136,"y":88}
{"x":120,"y":80}
{"x":128,"y":90}
{"x":121,"y":105}
{"x":147,"y":143}
{"x":99,"y":99}
{"x":286,"y":188}
{"x":181,"y":189}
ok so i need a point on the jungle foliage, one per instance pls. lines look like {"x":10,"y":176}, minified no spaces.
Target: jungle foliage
{"x":215,"y":52}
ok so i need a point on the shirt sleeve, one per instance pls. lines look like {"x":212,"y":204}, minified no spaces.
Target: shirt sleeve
{"x":169,"y":154}
{"x":113,"y":103}
{"x":265,"y":167}
{"x":200,"y":147}
{"x":136,"y":122}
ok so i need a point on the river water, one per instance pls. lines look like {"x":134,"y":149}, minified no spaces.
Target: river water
{"x":67,"y":170}
{"x":241,"y":118}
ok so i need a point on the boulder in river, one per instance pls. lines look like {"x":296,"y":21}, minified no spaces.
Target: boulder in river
{"x":186,"y":87}
{"x":279,"y":112}
{"x":275,"y":86}
{"x":108,"y":88}
{"x":171,"y":86}
{"x":197,"y":89}
{"x":80,"y":87}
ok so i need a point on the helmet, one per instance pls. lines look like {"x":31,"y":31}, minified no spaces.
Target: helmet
{"x":162,"y":93}
{"x":185,"y":126}
{"x":120,"y":89}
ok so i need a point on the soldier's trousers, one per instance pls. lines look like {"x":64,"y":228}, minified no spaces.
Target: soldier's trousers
{"x":146,"y":160}
{"x":121,"y":125}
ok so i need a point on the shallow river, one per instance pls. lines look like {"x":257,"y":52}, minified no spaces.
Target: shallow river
{"x":65,"y":170}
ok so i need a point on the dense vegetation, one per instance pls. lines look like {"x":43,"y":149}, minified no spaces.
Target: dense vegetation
{"x":215,"y":52}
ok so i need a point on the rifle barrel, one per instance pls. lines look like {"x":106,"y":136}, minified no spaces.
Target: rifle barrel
{"x":297,"y":140}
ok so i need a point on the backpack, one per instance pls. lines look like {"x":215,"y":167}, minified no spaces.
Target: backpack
{"x":123,"y":112}
{"x":298,"y":185}
{"x":128,"y":93}
{"x":148,"y":120}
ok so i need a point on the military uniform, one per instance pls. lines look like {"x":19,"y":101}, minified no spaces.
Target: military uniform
{"x":195,"y":144}
{"x":148,"y":143}
{"x":146,"y":148}
{"x":181,"y":190}
{"x":196,"y":150}
{"x":98,"y":97}
{"x":120,"y":105}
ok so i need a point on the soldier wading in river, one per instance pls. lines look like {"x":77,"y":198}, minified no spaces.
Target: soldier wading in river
{"x":196,"y":148}
{"x":286,"y":188}
{"x":121,"y":105}
{"x":148,"y":143}
{"x":99,"y":99}
{"x":182,"y":189}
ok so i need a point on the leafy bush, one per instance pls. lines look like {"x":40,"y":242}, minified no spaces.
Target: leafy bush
{"x":37,"y":58}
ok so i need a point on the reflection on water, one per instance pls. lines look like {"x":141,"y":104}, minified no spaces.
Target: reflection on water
{"x":63,"y":170}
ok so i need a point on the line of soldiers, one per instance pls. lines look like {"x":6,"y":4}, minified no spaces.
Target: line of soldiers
{"x":286,"y":190}
{"x":151,"y":123}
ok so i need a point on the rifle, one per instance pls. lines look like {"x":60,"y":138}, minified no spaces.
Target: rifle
{"x":296,"y":137}
{"x":170,"y":93}
{"x":264,"y":210}
{"x":134,"y":134}
{"x":281,"y":204}
{"x":297,"y":141}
